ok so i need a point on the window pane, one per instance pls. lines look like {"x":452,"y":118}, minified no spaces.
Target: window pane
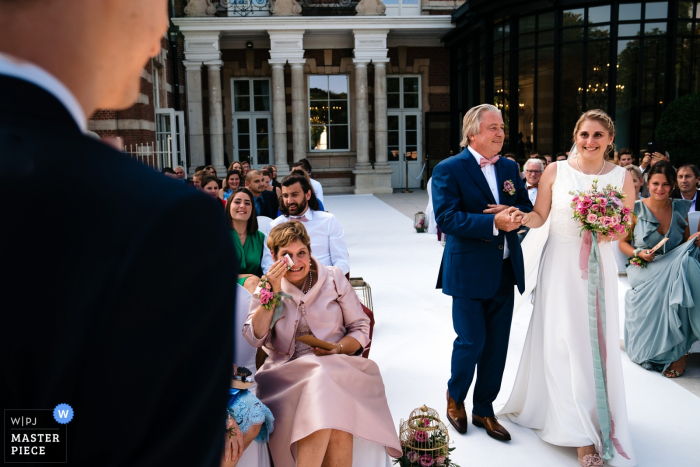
{"x":410,"y":101}
{"x":597,"y":75}
{"x":526,"y":96}
{"x":392,"y":85}
{"x":599,"y":32}
{"x":242,"y":104}
{"x":263,"y":156}
{"x":571,"y":90}
{"x":243,"y":141}
{"x":630,"y":11}
{"x":243,"y":126}
{"x":655,"y":29}
{"x":546,"y":20}
{"x":599,"y":14}
{"x":653,"y":66}
{"x":338,"y":112}
{"x":527,"y":40}
{"x":261,"y":125}
{"x":319,"y":137}
{"x":393,"y":101}
{"x":339,"y":137}
{"x":685,"y":27}
{"x":318,"y":88}
{"x":572,"y":35}
{"x":241,"y":88}
{"x":527,"y":24}
{"x":498,"y":32}
{"x":685,"y":9}
{"x":628,"y":29}
{"x":263,"y":143}
{"x":318,"y":112}
{"x":411,"y":122}
{"x":626,"y":91}
{"x":411,"y":137}
{"x":573,"y":17}
{"x":410,"y":85}
{"x":656,"y":10}
{"x":338,"y":86}
{"x":391,"y":2}
{"x":546,"y":38}
{"x":261,"y":87}
{"x":261,"y":103}
{"x":393,"y":124}
{"x":497,"y":47}
{"x":409,"y":2}
{"x":545,"y":98}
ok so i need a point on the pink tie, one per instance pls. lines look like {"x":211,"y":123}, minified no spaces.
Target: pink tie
{"x":484,"y":161}
{"x":300,"y":218}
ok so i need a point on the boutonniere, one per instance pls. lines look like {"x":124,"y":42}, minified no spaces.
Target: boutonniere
{"x":509,"y":187}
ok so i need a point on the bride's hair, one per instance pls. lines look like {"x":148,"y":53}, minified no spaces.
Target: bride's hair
{"x":472,"y":120}
{"x":602,"y":118}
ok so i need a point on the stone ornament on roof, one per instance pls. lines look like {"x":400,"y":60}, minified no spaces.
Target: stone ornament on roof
{"x":285,"y":8}
{"x":200,"y":8}
{"x":370,"y":8}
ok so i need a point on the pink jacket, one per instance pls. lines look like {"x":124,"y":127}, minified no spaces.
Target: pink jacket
{"x":332,"y":311}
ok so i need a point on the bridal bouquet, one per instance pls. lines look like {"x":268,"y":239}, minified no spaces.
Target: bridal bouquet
{"x":601,"y":211}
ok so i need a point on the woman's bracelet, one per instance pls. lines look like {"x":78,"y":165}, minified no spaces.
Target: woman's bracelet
{"x":637,"y":251}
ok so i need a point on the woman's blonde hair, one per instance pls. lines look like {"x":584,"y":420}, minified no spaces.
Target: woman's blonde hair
{"x":635,"y":170}
{"x":602,"y":118}
{"x":287,"y":233}
{"x":472,"y":120}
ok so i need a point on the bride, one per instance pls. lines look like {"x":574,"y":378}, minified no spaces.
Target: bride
{"x":568,"y":396}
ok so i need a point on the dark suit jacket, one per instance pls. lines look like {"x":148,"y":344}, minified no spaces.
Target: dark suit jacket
{"x":271,"y":204}
{"x":473,"y":257}
{"x":100,"y":309}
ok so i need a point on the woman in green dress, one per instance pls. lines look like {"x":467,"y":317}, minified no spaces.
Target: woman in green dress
{"x":662,"y":308}
{"x":247,"y":239}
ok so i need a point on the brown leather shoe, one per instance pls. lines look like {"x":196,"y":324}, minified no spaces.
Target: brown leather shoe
{"x":493,"y":428}
{"x":456,"y":415}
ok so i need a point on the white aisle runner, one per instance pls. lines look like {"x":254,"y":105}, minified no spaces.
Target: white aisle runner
{"x":413,"y":343}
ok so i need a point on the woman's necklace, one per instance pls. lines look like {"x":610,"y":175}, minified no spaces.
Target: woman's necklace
{"x":584,"y":173}
{"x":310,"y":279}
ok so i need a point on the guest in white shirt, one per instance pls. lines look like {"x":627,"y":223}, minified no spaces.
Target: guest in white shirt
{"x":533,"y":173}
{"x":688,"y":179}
{"x":327,"y":237}
{"x":305,"y":165}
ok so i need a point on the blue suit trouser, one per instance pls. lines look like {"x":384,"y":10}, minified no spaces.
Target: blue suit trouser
{"x":483,"y":330}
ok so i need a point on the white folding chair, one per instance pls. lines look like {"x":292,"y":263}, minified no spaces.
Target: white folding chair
{"x":693,"y":219}
{"x":263,"y":223}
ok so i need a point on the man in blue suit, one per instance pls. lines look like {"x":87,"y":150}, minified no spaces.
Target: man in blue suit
{"x":473,"y":195}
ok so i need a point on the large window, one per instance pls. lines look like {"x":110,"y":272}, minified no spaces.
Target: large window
{"x":252,"y":120}
{"x":329,"y":113}
{"x":687,"y":67}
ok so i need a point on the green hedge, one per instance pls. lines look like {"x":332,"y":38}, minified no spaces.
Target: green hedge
{"x":679,"y":129}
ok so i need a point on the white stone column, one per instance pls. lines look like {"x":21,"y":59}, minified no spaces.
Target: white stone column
{"x":279,"y":116}
{"x":216,"y":117}
{"x":361,"y":115}
{"x":195,"y":119}
{"x":300,"y":139}
{"x":380,"y":115}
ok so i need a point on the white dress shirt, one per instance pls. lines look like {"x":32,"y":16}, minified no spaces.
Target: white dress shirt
{"x":531,"y":193}
{"x":27,"y":71}
{"x":693,"y":206}
{"x":327,"y":240}
{"x":318,"y":190}
{"x":490,"y":174}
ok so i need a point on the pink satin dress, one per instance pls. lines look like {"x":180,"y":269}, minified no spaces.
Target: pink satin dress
{"x":307,"y":393}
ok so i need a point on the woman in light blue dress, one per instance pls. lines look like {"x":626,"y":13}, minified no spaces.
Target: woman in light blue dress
{"x":662,"y":308}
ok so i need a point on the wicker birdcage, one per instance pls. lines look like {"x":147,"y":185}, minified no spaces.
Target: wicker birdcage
{"x":424,"y":439}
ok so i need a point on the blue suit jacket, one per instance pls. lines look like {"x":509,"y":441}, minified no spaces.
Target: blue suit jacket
{"x":473,"y":257}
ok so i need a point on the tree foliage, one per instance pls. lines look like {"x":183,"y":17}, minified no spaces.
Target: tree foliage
{"x":678,"y":129}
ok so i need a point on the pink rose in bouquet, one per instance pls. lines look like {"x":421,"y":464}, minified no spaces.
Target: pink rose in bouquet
{"x":440,"y":460}
{"x":265,"y":295}
{"x":426,"y":460}
{"x":421,"y":436}
{"x":412,"y":456}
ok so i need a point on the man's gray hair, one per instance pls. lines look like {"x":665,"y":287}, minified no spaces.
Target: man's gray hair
{"x":534,"y":161}
{"x":472,"y":120}
{"x":178,"y":167}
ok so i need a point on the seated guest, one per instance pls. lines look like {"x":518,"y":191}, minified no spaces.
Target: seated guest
{"x":267,"y":177}
{"x":169,"y":172}
{"x":329,"y":405}
{"x":548,"y":159}
{"x":624,"y":157}
{"x":265,"y":202}
{"x":305,"y":165}
{"x":688,"y":182}
{"x":245,"y":168}
{"x":662,"y":308}
{"x":637,"y":178}
{"x":211,"y":187}
{"x":273,"y":171}
{"x":230,"y":184}
{"x":534,"y":154}
{"x":247,"y":239}
{"x":197,"y":179}
{"x":327,"y":237}
{"x":181,"y":175}
{"x":235,"y":165}
{"x":561,"y":156}
{"x":300,"y":172}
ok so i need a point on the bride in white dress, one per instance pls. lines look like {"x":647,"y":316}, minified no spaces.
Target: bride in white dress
{"x":556,"y":392}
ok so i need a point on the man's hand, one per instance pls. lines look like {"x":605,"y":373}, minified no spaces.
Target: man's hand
{"x":503,"y":220}
{"x":646,"y":161}
{"x":495,"y":208}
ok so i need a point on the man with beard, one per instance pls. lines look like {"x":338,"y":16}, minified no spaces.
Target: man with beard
{"x":327,"y":237}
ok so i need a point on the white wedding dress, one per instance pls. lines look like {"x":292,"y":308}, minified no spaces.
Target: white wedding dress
{"x":554,"y":391}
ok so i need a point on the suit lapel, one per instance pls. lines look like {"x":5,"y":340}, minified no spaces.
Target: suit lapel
{"x":477,"y":175}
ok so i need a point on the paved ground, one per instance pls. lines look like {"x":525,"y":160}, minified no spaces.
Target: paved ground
{"x":413,"y":342}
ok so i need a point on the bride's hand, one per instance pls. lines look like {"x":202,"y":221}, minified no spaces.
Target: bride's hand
{"x":519,"y":217}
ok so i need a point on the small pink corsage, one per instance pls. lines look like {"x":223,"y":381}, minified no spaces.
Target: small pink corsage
{"x":509,"y":187}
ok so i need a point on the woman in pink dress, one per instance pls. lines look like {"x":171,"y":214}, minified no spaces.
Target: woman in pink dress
{"x":329,"y":405}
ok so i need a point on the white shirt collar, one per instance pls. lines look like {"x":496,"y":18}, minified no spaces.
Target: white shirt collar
{"x":27,"y":71}
{"x":476,"y":155}
{"x":308,"y":213}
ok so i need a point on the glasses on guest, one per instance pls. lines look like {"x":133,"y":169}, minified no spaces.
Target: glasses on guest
{"x":534,"y":171}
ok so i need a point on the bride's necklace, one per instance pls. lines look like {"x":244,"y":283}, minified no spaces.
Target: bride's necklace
{"x":584,"y":173}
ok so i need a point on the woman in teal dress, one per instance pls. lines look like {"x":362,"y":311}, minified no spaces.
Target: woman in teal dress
{"x":662,"y":308}
{"x":247,"y":239}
